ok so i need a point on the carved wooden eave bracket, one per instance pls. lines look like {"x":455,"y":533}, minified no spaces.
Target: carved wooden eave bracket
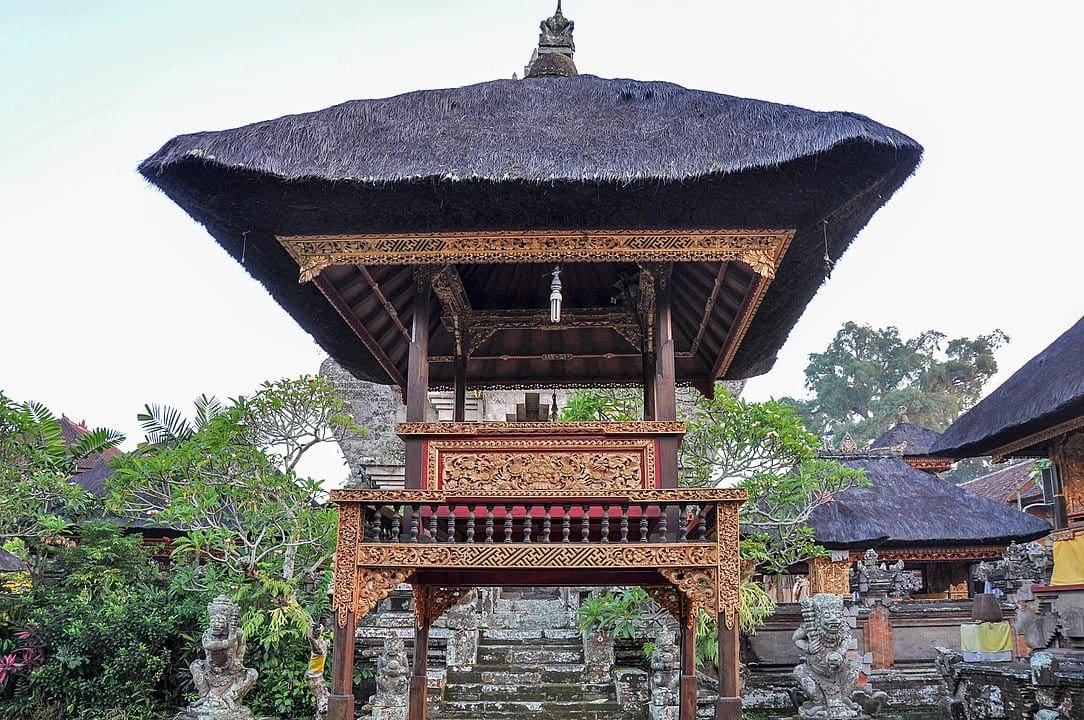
{"x":430,"y":601}
{"x":760,"y":250}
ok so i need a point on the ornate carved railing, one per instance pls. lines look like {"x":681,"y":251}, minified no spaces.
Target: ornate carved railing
{"x":686,"y":538}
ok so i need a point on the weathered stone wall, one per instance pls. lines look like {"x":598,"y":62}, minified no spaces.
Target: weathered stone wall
{"x":374,"y":407}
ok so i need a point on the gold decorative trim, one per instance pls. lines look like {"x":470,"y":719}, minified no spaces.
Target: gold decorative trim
{"x":431,"y":601}
{"x":647,"y":427}
{"x":700,"y":586}
{"x":375,"y":584}
{"x":563,"y":556}
{"x":667,"y":597}
{"x":556,"y":471}
{"x":344,"y":579}
{"x":761,"y":250}
{"x":826,"y":576}
{"x":1068,"y":426}
{"x":727,"y":534}
{"x":987,"y":552}
{"x":647,"y":496}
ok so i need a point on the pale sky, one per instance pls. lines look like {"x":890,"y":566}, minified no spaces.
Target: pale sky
{"x":112,"y":297}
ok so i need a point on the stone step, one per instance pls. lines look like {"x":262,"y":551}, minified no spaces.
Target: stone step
{"x":550,"y":637}
{"x":563,"y":710}
{"x":553,"y":673}
{"x":521,"y":656}
{"x":509,"y":690}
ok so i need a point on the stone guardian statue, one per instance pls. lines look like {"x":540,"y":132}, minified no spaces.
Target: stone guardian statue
{"x":220,"y":677}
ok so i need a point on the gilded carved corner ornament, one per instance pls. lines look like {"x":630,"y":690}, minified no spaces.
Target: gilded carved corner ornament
{"x":826,"y":576}
{"x":375,"y":584}
{"x":431,"y":601}
{"x":667,"y":597}
{"x":700,"y":586}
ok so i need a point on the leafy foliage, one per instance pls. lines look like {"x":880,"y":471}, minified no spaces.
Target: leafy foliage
{"x":39,"y":501}
{"x":111,"y":638}
{"x":866,"y":375}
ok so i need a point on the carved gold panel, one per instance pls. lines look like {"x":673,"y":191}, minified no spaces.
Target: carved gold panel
{"x":563,"y":556}
{"x":1069,"y":458}
{"x":826,"y":576}
{"x":761,"y":250}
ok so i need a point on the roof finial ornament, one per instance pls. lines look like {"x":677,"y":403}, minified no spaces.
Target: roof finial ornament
{"x":553,"y":57}
{"x":903,"y":416}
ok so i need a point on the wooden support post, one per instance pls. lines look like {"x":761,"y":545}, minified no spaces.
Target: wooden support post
{"x":417,"y":381}
{"x":459,"y":411}
{"x":649,"y":386}
{"x":687,"y":687}
{"x":728,"y":706}
{"x":418,"y":686}
{"x":340,"y":704}
{"x":665,"y":385}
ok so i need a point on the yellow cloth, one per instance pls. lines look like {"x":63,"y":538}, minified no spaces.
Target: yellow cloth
{"x":316,"y":664}
{"x":986,"y":637}
{"x":994,"y":637}
{"x":1068,"y":562}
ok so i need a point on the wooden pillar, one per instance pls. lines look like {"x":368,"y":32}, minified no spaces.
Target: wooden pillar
{"x":665,"y":385}
{"x":649,"y":384}
{"x":418,"y":687}
{"x":687,"y":687}
{"x":459,"y":411}
{"x":340,"y":704}
{"x":728,"y":706}
{"x":417,"y":380}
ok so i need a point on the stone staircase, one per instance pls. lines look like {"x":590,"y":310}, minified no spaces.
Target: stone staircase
{"x":530,"y":665}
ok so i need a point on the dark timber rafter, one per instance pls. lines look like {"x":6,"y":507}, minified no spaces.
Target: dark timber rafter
{"x":448,"y":287}
{"x":363,"y":334}
{"x":485,"y":323}
{"x":388,"y":306}
{"x":709,"y":306}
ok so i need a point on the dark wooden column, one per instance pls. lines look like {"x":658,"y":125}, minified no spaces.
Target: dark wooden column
{"x":729,"y":704}
{"x":687,"y":687}
{"x":418,"y":690}
{"x":417,"y":380}
{"x":649,"y":384}
{"x":665,"y":385}
{"x":340,"y":704}
{"x":460,"y":405}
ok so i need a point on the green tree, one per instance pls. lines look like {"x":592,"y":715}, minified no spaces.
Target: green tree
{"x":255,"y":527}
{"x":39,"y":501}
{"x":865,"y":375}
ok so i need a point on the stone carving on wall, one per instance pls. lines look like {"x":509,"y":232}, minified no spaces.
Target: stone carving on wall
{"x":220,"y":678}
{"x":827,"y":677}
{"x":876,"y":580}
{"x":392,"y":682}
{"x":1020,"y":567}
{"x":665,"y":674}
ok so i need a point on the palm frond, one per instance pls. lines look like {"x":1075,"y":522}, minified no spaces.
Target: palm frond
{"x":95,"y":442}
{"x":207,"y":408}
{"x":164,"y":425}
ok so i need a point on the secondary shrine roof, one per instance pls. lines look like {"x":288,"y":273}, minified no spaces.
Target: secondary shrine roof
{"x":1047,"y":392}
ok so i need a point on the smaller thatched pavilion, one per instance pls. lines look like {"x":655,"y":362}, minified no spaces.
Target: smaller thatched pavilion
{"x":1038,"y":413}
{"x":907,"y":513}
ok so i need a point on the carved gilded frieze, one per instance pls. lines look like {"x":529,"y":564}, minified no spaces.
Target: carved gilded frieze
{"x":1069,"y":459}
{"x":969,"y":553}
{"x":601,"y":471}
{"x":727,"y":531}
{"x":761,"y":250}
{"x":728,"y":496}
{"x":553,"y":430}
{"x":345,"y":578}
{"x":563,"y":556}
{"x":826,"y":576}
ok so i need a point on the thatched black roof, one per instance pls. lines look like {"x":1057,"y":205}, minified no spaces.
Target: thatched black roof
{"x":576,"y":152}
{"x":1047,"y":391}
{"x":905,"y":507}
{"x":913,"y":439}
{"x":10,"y":562}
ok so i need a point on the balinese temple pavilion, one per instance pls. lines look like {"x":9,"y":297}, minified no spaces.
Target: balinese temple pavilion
{"x":562,"y":229}
{"x":1039,"y":413}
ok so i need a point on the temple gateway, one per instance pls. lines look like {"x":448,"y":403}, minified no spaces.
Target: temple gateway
{"x":559,"y":230}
